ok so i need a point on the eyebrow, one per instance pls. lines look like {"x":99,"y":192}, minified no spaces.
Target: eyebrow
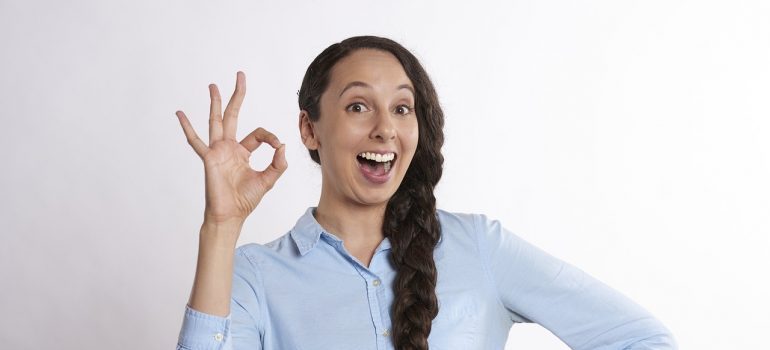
{"x":365,"y":85}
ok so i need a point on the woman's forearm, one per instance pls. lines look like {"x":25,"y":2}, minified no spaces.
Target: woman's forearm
{"x":213,"y":282}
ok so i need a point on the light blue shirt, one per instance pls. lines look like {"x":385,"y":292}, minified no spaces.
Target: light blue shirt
{"x":304,"y":291}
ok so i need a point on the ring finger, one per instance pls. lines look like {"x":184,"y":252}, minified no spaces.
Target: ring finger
{"x":215,"y":115}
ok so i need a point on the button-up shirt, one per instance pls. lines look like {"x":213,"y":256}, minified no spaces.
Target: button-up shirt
{"x":305,"y":291}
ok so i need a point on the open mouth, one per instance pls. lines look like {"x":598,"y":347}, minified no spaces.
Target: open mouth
{"x":376,"y":165}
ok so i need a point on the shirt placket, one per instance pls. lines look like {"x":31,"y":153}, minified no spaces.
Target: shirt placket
{"x":378,"y":303}
{"x":373,"y":286}
{"x":375,"y":295}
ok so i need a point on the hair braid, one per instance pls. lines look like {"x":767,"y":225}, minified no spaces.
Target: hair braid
{"x":413,"y":228}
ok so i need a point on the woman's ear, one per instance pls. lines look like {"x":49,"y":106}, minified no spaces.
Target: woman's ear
{"x":306,"y":131}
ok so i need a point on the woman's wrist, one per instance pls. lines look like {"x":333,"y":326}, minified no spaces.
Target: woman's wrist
{"x":221,"y":233}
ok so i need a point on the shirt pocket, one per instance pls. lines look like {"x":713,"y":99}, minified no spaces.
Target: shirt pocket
{"x":457,"y":324}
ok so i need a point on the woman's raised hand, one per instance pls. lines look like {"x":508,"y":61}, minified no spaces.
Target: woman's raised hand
{"x":233,"y":189}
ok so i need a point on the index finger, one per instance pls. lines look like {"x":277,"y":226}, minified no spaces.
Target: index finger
{"x":253,"y":140}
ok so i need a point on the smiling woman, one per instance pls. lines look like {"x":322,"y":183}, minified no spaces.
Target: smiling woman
{"x":376,"y":75}
{"x":376,"y":265}
{"x":365,"y":107}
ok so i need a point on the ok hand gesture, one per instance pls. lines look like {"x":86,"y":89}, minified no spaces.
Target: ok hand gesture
{"x":233,"y":189}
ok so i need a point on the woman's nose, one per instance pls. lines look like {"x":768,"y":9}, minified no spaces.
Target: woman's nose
{"x":384,"y":129}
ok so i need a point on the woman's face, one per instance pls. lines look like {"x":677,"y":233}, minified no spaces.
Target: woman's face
{"x":367,"y":109}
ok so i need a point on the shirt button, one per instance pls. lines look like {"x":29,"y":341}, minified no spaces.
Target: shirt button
{"x":218,"y":337}
{"x":376,"y":283}
{"x":386,"y":333}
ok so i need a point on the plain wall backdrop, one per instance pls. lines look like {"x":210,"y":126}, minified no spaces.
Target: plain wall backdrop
{"x":629,"y":138}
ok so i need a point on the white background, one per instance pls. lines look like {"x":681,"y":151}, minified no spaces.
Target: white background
{"x":630,"y":138}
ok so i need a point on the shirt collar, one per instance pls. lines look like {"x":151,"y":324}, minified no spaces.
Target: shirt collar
{"x":307,"y":231}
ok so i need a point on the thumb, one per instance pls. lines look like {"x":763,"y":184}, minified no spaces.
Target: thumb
{"x":278,"y":165}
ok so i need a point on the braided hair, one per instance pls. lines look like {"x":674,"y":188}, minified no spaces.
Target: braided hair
{"x":410,"y":221}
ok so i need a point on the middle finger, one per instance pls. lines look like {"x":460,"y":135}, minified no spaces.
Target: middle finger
{"x":234,"y":106}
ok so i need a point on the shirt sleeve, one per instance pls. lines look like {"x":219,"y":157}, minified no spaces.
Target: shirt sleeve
{"x":580,"y":310}
{"x":238,"y":330}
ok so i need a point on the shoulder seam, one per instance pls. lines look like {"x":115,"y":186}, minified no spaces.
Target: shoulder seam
{"x":484,"y":261}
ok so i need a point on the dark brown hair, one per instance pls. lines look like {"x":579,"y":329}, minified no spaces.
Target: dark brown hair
{"x":410,"y":220}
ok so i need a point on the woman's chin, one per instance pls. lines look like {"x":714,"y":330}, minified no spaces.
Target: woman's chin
{"x":374,"y":197}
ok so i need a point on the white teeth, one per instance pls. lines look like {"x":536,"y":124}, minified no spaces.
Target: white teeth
{"x":387,"y":157}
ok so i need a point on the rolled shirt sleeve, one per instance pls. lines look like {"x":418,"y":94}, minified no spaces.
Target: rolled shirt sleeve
{"x":204,"y":331}
{"x":238,"y":330}
{"x":580,"y":310}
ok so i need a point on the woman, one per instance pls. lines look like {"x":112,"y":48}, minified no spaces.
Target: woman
{"x":376,"y":265}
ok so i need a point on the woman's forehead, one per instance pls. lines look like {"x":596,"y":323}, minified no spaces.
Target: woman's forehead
{"x":368,"y":68}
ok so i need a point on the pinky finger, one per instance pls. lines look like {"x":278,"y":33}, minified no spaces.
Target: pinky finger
{"x":192,"y":138}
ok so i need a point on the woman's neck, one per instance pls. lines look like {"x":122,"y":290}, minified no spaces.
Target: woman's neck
{"x":357,"y":225}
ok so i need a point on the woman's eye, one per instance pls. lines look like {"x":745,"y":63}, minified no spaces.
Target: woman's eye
{"x":357,"y":107}
{"x":403,"y":109}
